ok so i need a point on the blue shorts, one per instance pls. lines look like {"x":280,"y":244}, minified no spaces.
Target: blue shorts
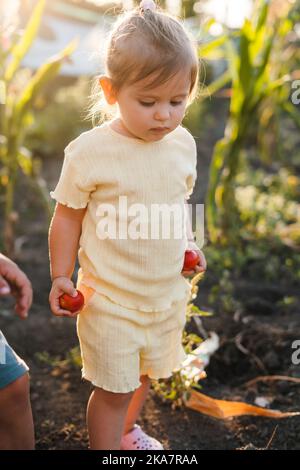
{"x":11,"y":365}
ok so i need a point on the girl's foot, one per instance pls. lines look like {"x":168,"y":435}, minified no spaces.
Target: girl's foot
{"x":137,"y":439}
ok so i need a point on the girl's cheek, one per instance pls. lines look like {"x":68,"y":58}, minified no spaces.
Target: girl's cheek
{"x":135,"y":111}
{"x":146,"y":114}
{"x":141,"y":116}
{"x":180,"y":113}
{"x":141,"y":110}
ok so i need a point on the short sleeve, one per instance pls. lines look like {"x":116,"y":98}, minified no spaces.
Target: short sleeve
{"x":192,"y":176}
{"x":190,"y":182}
{"x":73,"y":188}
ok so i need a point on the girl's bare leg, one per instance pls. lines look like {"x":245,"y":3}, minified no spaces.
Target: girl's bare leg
{"x":106,"y":412}
{"x":136,"y":403}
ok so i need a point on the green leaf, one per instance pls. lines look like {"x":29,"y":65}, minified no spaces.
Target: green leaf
{"x":245,"y":69}
{"x":43,"y":75}
{"x":2,"y":92}
{"x":25,"y":160}
{"x":195,"y":338}
{"x":265,"y":56}
{"x":263,"y":8}
{"x":197,"y":386}
{"x":285,"y":27}
{"x":219,"y":83}
{"x":216,"y":166}
{"x":206,"y":49}
{"x":208,"y":24}
{"x":21,"y":49}
{"x":233,"y":59}
{"x":196,"y":310}
{"x":172,"y":395}
{"x":205,"y":314}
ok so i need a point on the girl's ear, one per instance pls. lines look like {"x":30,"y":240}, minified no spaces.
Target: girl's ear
{"x":106,"y":85}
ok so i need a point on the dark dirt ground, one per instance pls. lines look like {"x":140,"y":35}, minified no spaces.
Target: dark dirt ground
{"x":59,"y":396}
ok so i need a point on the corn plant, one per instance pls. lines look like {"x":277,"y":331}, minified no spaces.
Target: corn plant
{"x":16,"y":105}
{"x":260,"y":87}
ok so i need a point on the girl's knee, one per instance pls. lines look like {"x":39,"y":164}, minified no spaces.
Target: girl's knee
{"x":145,"y":378}
{"x":112,"y":397}
{"x":19,"y":387}
{"x":16,"y":395}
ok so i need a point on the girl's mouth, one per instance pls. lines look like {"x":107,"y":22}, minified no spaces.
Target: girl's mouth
{"x":159,"y":129}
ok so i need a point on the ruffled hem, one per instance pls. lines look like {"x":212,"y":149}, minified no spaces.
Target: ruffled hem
{"x":167,"y":371}
{"x":108,"y":388}
{"x":164,"y":373}
{"x":67,"y":203}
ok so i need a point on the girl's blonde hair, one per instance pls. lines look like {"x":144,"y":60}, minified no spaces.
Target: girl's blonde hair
{"x":139,"y":44}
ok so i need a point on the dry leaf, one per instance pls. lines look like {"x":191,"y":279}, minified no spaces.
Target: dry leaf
{"x":223,"y":409}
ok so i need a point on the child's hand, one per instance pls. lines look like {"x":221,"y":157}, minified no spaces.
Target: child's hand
{"x":61,"y":285}
{"x":201,"y":266}
{"x":14,"y":282}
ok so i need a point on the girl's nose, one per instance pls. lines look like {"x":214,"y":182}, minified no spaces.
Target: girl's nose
{"x":162,"y":113}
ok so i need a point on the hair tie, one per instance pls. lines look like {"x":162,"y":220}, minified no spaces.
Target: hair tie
{"x":147,"y":5}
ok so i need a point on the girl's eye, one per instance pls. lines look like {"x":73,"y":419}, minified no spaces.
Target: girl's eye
{"x":146,"y":104}
{"x":173,"y":103}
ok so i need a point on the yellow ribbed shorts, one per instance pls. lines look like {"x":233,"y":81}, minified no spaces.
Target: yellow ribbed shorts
{"x":119,"y":344}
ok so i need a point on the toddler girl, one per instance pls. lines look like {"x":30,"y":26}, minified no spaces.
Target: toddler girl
{"x":130,"y":328}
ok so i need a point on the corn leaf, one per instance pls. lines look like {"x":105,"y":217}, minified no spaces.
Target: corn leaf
{"x":45,"y":73}
{"x":245,"y":69}
{"x":219,"y":83}
{"x":21,"y":49}
{"x":2,"y":92}
{"x":206,"y":49}
{"x":262,"y":14}
{"x":25,"y":160}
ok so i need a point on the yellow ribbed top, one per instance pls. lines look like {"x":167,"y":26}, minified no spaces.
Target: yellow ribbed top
{"x":102,"y":166}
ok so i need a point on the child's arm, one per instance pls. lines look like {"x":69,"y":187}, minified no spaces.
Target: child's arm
{"x":192,"y":245}
{"x":64,"y":235}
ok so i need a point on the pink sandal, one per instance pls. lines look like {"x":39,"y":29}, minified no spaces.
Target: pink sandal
{"x":137,"y":439}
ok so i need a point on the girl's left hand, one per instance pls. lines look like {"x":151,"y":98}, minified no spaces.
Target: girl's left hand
{"x":201,"y":266}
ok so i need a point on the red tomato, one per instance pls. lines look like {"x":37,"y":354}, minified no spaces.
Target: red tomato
{"x":73,"y":304}
{"x":191,"y":259}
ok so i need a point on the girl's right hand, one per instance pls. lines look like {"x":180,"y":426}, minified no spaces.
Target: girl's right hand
{"x":61,"y":285}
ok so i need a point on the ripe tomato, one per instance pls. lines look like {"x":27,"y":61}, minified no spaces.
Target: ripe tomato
{"x":73,"y":304}
{"x":191,"y":259}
